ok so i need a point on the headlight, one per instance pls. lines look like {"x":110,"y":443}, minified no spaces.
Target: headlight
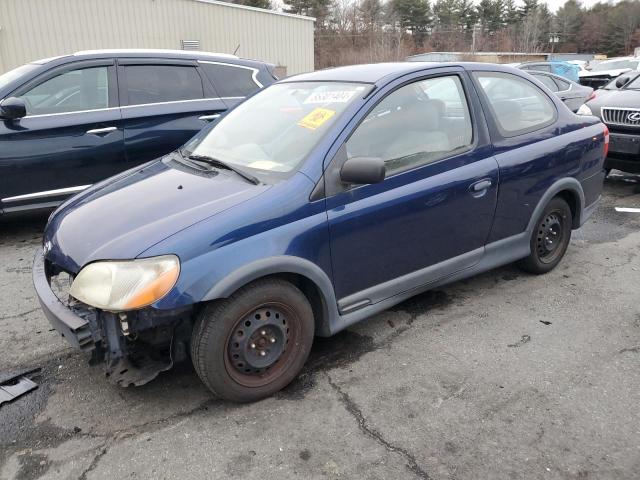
{"x":584,"y":110}
{"x":126,"y":285}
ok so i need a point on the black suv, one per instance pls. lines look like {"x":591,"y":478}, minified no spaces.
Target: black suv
{"x":71,"y":121}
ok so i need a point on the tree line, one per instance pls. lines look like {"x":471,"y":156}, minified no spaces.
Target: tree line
{"x":358,"y":31}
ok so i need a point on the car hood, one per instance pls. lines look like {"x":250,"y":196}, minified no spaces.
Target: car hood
{"x":605,"y":73}
{"x":125,"y":215}
{"x":615,"y":98}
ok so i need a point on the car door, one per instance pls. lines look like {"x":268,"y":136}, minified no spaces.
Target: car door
{"x":165,"y":103}
{"x":572,"y":97}
{"x":70,"y":138}
{"x":432,"y":214}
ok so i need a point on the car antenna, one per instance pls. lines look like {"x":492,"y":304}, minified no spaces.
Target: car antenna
{"x":236,"y":50}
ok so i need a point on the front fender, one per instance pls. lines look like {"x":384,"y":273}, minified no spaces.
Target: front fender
{"x":283,"y":264}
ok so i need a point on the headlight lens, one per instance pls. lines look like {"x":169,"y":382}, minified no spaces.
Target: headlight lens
{"x":584,"y":110}
{"x":126,"y":285}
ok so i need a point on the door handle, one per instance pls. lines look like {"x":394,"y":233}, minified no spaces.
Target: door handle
{"x":207,"y":118}
{"x":481,"y":185}
{"x":100,"y":131}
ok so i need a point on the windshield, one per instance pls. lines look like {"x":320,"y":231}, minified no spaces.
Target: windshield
{"x":615,"y":65}
{"x":11,"y":75}
{"x":633,"y":84}
{"x":276,"y":129}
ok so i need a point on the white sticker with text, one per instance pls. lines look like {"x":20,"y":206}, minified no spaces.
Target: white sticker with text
{"x":342,"y":96}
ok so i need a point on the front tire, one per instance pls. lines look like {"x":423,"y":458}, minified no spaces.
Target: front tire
{"x":550,"y":238}
{"x":252,"y":344}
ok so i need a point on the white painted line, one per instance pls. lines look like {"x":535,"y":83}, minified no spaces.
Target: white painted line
{"x":627,"y":210}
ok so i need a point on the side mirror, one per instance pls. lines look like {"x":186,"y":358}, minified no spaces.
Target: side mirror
{"x":363,"y":170}
{"x":622,"y":81}
{"x":12,"y":108}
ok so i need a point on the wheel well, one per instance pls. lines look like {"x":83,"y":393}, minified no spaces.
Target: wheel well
{"x":311,"y":291}
{"x":573,"y":201}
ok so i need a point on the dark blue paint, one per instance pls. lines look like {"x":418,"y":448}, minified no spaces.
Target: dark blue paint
{"x":221,"y":225}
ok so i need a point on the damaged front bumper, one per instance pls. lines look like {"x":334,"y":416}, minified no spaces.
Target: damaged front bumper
{"x":134,"y":346}
{"x":75,"y":327}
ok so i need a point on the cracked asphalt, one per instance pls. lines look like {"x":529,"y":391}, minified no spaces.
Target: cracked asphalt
{"x":502,"y":376}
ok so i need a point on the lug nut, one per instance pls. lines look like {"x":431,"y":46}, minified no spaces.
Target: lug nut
{"x":263,"y":353}
{"x":253,"y":345}
{"x":273,"y":340}
{"x":263,"y":332}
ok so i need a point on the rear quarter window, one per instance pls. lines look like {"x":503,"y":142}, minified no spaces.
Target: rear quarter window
{"x":231,"y":80}
{"x":517,"y":105}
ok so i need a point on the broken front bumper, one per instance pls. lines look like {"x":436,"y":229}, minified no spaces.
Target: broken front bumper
{"x":74,"y":326}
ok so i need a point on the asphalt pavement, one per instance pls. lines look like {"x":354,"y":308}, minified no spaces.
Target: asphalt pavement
{"x":502,"y":376}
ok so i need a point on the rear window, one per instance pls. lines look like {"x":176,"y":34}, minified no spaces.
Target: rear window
{"x":231,"y":80}
{"x":162,"y":83}
{"x":518,"y":106}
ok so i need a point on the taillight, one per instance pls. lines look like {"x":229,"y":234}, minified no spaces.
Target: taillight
{"x":606,"y":140}
{"x":592,"y":96}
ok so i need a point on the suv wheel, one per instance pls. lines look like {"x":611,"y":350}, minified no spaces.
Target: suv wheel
{"x":550,"y":238}
{"x":254,"y":343}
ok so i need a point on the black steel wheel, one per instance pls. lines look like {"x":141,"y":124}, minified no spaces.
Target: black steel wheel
{"x":550,"y":238}
{"x":254,"y":343}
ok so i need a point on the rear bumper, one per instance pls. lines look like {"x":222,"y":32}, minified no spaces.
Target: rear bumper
{"x":626,"y":164}
{"x":74,"y":328}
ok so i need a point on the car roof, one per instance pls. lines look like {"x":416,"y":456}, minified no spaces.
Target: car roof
{"x":376,"y":72}
{"x":145,"y":53}
{"x":549,"y":74}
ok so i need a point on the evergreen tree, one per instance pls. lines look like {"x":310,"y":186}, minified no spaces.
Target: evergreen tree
{"x":414,"y":15}
{"x":491,"y":15}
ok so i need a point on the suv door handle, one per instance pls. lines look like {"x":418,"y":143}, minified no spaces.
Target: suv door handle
{"x":481,"y":185}
{"x":100,"y":131}
{"x":207,"y":118}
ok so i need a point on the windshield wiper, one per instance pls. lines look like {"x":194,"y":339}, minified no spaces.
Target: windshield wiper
{"x":220,"y":164}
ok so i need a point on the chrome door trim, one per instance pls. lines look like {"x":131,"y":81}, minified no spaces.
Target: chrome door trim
{"x":72,"y":113}
{"x":254,"y":75}
{"x":206,"y":118}
{"x":47,"y":193}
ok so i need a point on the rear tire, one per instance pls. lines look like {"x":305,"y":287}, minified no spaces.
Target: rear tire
{"x":549,"y":239}
{"x":252,"y":344}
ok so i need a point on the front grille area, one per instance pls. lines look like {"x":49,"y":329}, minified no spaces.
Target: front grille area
{"x":627,"y":117}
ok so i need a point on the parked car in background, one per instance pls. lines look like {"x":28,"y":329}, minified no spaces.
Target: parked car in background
{"x":69,"y":122}
{"x":603,"y":72}
{"x":318,"y":202}
{"x":571,"y":93}
{"x":564,"y":69}
{"x":618,"y":106}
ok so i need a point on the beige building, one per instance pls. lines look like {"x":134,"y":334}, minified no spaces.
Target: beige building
{"x":34,"y":29}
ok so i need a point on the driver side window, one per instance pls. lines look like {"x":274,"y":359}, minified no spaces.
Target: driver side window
{"x":417,"y":124}
{"x":73,"y":91}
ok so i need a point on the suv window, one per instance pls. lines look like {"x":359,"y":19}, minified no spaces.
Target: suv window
{"x":562,"y":85}
{"x":162,"y":83}
{"x":231,"y":80}
{"x":417,"y":124}
{"x":518,"y":106}
{"x":72,"y":91}
{"x":548,"y":82}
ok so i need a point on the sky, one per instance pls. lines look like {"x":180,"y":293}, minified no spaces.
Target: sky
{"x":555,"y":4}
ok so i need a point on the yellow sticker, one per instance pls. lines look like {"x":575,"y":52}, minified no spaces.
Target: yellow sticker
{"x":316,"y":118}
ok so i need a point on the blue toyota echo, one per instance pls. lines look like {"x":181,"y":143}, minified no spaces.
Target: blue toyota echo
{"x":320,"y":201}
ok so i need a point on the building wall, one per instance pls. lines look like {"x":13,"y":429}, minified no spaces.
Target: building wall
{"x":33,"y":29}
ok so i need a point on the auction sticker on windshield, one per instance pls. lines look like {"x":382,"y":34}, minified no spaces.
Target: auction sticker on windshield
{"x":340,"y":96}
{"x":316,"y":118}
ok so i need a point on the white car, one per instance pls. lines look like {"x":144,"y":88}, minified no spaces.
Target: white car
{"x":603,"y":72}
